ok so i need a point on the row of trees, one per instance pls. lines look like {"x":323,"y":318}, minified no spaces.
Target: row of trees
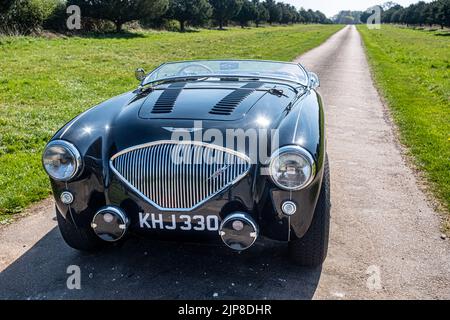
{"x":422,"y":13}
{"x":199,"y":12}
{"x":433,"y":13}
{"x":27,"y":15}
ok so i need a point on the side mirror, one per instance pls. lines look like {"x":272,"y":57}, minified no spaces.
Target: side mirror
{"x":140,"y":74}
{"x":314,"y":81}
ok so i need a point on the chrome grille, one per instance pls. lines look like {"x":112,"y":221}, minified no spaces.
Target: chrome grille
{"x":174,"y":175}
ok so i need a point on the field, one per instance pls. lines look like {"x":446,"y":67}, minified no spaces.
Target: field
{"x":412,"y":70}
{"x":46,"y":82}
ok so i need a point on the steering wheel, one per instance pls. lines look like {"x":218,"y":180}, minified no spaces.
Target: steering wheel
{"x":182,"y":70}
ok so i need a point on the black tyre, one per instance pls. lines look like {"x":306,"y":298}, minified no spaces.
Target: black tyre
{"x":311,"y":250}
{"x":83,"y":239}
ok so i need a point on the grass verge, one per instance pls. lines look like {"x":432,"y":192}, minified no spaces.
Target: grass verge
{"x":412,"y":70}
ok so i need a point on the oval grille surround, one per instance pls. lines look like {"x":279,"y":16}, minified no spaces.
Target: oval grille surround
{"x":179,"y":176}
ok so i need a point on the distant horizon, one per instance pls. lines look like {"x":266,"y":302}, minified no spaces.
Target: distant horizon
{"x":331,"y":9}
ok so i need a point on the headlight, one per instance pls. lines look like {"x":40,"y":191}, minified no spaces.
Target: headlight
{"x":61,"y":160}
{"x":292,"y":168}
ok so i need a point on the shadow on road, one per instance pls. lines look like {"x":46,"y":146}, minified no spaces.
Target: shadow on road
{"x":144,"y":269}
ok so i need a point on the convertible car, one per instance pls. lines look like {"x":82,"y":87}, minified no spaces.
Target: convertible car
{"x":217,"y":151}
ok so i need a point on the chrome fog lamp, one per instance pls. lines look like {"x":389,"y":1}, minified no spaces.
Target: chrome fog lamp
{"x":61,"y":160}
{"x":292,"y":168}
{"x":110,"y":223}
{"x":289,"y":208}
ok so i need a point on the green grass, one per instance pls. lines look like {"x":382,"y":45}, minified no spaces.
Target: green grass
{"x":412,"y":69}
{"x":46,"y":82}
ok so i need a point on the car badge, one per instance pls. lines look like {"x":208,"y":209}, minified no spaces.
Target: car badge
{"x":219,"y":172}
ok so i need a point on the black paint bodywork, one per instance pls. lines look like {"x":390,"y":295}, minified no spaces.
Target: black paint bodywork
{"x":124,"y":122}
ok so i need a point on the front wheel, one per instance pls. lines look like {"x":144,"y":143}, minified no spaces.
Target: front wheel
{"x":311,"y":250}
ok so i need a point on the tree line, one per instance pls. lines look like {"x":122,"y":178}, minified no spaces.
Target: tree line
{"x":433,"y":13}
{"x":422,"y":13}
{"x":25,"y":16}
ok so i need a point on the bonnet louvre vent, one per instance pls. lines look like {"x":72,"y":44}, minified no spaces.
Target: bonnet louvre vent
{"x":167,"y":100}
{"x":227,"y":105}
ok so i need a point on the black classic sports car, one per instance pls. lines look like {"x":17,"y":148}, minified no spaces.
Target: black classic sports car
{"x":219,"y":151}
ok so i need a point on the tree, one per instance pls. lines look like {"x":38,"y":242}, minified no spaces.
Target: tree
{"x":403,"y":17}
{"x":430,"y":14}
{"x":415,"y":14}
{"x":189,"y":10}
{"x":397,"y":16}
{"x":364,"y":17}
{"x":121,"y":11}
{"x":419,"y":12}
{"x":386,"y":16}
{"x":248,"y":12}
{"x":320,"y":17}
{"x":304,"y":16}
{"x":223,"y":10}
{"x":312,"y":14}
{"x":26,"y":16}
{"x":289,"y":13}
{"x":295,"y":14}
{"x":261,"y":12}
{"x":5,"y":5}
{"x":275,"y":13}
{"x":285,"y":16}
{"x":389,"y":5}
{"x":443,"y":13}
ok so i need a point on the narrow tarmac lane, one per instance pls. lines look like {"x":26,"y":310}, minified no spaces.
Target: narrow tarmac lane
{"x":385,"y":240}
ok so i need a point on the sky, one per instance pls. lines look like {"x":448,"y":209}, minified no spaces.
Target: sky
{"x":332,"y":7}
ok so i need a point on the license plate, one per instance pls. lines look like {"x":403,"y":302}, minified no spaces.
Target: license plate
{"x":184,"y":222}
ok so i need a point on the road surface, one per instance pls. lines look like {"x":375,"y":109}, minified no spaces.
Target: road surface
{"x":385,"y":239}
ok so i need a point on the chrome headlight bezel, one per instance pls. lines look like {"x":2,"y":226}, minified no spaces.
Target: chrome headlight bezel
{"x":74,"y":153}
{"x":297,"y":151}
